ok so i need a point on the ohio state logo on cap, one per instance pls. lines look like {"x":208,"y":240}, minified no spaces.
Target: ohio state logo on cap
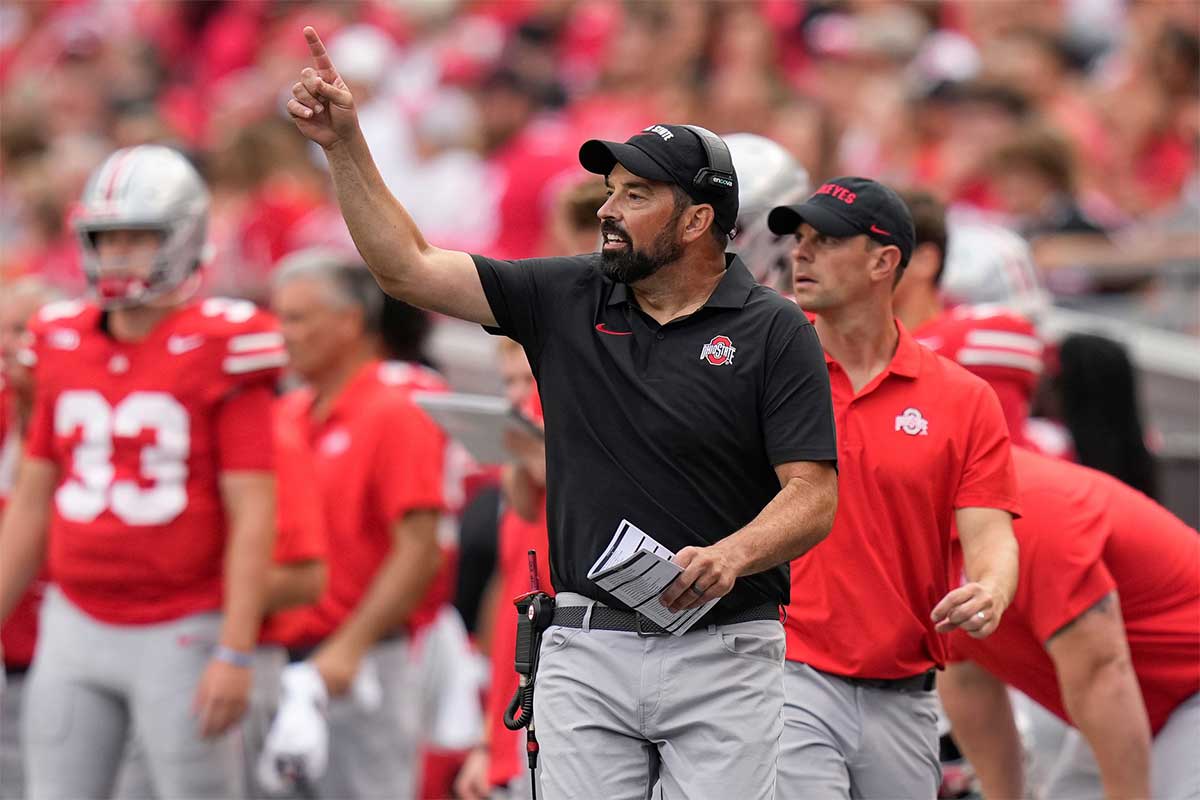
{"x":719,"y":351}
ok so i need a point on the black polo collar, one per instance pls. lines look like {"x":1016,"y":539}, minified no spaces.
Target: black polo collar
{"x":732,"y":292}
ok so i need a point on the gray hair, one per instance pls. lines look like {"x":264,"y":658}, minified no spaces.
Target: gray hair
{"x":350,"y":283}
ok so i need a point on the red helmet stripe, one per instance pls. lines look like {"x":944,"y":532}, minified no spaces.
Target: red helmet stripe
{"x":114,"y":173}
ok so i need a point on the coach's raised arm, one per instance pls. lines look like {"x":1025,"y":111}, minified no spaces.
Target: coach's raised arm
{"x":406,"y":266}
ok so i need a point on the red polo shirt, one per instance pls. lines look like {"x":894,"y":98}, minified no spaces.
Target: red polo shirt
{"x":924,"y":438}
{"x":1083,"y":534}
{"x":378,"y":457}
{"x":300,"y":529}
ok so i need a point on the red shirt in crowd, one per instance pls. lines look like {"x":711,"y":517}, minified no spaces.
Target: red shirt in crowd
{"x":924,"y":438}
{"x":1084,"y":534}
{"x":140,"y":433}
{"x":378,"y":457}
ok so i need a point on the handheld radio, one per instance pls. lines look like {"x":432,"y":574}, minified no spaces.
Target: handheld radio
{"x":535,"y":612}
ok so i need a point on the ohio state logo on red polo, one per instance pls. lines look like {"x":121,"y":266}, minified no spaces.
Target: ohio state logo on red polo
{"x":912,"y":423}
{"x":719,"y":351}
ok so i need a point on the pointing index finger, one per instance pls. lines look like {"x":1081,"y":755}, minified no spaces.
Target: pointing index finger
{"x":320,"y":56}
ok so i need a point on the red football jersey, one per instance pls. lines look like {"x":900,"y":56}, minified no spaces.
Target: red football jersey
{"x":19,"y":633}
{"x":140,"y":432}
{"x":999,"y":346}
{"x":378,"y":457}
{"x":1082,"y":535}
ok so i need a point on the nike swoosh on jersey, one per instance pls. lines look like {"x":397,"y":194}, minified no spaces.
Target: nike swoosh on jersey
{"x":603,"y":329}
{"x":178,"y":345}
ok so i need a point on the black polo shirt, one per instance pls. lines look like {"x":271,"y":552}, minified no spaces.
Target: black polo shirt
{"x":674,"y":427}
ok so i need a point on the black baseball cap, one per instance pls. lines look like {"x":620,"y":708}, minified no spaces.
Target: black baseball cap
{"x":671,"y":154}
{"x":850,"y":206}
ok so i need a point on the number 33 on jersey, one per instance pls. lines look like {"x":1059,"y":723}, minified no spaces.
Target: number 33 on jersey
{"x":140,"y":433}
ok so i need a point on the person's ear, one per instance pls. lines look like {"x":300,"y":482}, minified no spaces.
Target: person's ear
{"x":696,"y":222}
{"x":885,"y":263}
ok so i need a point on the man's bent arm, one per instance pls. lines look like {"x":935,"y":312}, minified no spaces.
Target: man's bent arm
{"x":990,"y":562}
{"x":989,"y":550}
{"x":1101,"y":693}
{"x":26,"y":522}
{"x":795,"y":521}
{"x":395,"y":592}
{"x":405,"y":265}
{"x":798,"y":518}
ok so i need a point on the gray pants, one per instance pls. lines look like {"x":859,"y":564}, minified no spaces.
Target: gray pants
{"x":373,"y":754}
{"x":841,"y":740}
{"x":701,"y":712}
{"x":134,"y":781}
{"x":92,"y":681}
{"x":12,"y":771}
{"x":1174,"y":767}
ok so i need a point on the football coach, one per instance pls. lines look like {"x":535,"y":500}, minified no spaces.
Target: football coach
{"x":678,"y":395}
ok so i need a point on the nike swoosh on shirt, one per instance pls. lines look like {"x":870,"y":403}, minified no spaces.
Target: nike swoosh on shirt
{"x":603,"y":329}
{"x":178,"y":345}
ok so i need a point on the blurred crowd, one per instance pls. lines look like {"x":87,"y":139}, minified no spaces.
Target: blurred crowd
{"x":1074,"y":122}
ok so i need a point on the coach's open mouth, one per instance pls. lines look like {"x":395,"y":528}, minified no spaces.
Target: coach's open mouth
{"x":614,"y":242}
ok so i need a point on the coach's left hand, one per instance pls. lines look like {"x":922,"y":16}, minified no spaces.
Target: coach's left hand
{"x":222,"y":697}
{"x":973,"y":607}
{"x":708,"y":573}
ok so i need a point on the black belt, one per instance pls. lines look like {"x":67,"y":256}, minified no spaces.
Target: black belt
{"x":605,"y":618}
{"x":913,"y":683}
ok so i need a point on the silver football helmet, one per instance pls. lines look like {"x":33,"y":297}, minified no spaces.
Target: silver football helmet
{"x":148,"y":187}
{"x":768,"y":176}
{"x":990,"y":265}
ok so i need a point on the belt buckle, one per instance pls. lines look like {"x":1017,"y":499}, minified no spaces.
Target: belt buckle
{"x":647,"y":632}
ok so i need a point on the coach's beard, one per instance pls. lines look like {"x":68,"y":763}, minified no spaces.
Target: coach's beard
{"x":632,"y":265}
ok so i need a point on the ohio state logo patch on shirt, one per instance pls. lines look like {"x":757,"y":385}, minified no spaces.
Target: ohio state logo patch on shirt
{"x":912,"y":423}
{"x":719,"y":351}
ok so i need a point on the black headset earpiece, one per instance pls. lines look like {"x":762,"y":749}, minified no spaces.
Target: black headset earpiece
{"x":718,"y":175}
